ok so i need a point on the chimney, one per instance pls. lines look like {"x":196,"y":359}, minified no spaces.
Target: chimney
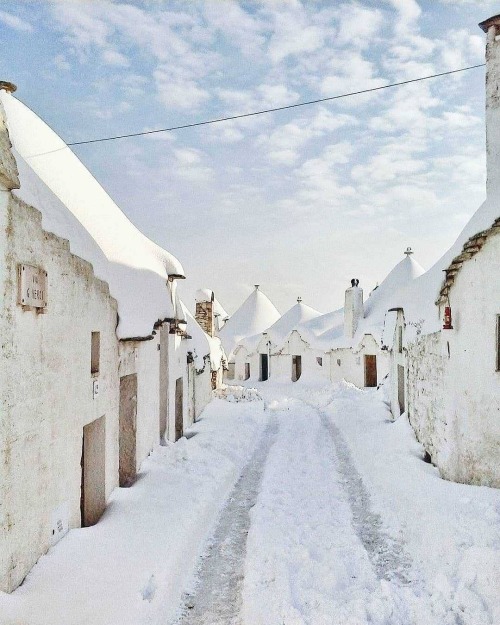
{"x":205,"y":311}
{"x":492,"y":28}
{"x":353,"y":308}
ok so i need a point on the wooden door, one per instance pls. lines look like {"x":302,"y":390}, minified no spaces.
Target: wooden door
{"x":370,"y":370}
{"x":127,"y":441}
{"x":179,"y":416}
{"x":401,"y":388}
{"x":264,"y":367}
{"x":296,"y":368}
{"x":93,"y":466}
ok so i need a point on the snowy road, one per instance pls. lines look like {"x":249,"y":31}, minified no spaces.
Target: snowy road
{"x":217,"y":597}
{"x":318,"y":551}
{"x":318,"y":510}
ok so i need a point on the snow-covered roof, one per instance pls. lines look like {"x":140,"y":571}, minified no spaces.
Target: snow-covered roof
{"x":256,"y":314}
{"x":418,"y":299}
{"x":279,"y":331}
{"x":471,"y":247}
{"x":327,"y":331}
{"x":75,"y":206}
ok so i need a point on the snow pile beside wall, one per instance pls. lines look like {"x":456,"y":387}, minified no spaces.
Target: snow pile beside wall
{"x":236,"y":394}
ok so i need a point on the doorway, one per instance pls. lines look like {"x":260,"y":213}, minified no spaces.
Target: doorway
{"x":370,"y":370}
{"x":264,"y":367}
{"x":247,"y":371}
{"x":93,"y":475}
{"x":401,"y":388}
{"x":179,"y":416}
{"x":296,"y":368}
{"x":128,"y":429}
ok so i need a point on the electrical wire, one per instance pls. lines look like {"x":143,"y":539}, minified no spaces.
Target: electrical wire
{"x":272,"y":110}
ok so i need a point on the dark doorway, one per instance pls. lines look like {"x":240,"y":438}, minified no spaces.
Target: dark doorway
{"x":247,"y":370}
{"x":370,"y":370}
{"x":128,"y":429}
{"x":401,"y":388}
{"x":264,"y":367}
{"x":296,"y":368}
{"x":179,"y":416}
{"x":93,"y":464}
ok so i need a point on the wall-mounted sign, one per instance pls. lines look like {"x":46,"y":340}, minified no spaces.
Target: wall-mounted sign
{"x":32,"y":286}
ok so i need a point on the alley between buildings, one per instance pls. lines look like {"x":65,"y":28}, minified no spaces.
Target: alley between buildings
{"x":308,"y":506}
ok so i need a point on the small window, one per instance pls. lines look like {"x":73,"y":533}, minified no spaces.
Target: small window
{"x":319,"y":360}
{"x":498,"y":342}
{"x":339,"y":362}
{"x":95,"y":350}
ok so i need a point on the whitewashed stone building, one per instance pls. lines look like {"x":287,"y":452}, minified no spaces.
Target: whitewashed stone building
{"x":93,"y":368}
{"x":253,"y":317}
{"x":342,"y":345}
{"x":445,"y":338}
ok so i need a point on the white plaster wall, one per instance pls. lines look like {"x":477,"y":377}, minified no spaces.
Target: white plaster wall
{"x":296,"y":346}
{"x":457,"y":416}
{"x":240,"y":358}
{"x":202,"y":390}
{"x":177,"y":368}
{"x":46,"y":387}
{"x":397,"y":358}
{"x":143,"y":358}
{"x":352,"y":367}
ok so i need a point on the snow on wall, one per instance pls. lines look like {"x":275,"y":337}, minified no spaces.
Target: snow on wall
{"x":75,"y":206}
{"x":47,"y":389}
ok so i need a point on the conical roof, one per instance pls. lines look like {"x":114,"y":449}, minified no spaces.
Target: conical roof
{"x":297,"y":314}
{"x":75,"y":206}
{"x":419,"y":298}
{"x":327,"y":331}
{"x":255,"y":315}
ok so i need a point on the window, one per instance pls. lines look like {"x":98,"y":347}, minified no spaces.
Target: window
{"x":339,"y":362}
{"x":400,"y":339}
{"x":95,"y":349}
{"x":319,"y":360}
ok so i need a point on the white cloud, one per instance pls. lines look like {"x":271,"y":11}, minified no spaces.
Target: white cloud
{"x":12,"y":21}
{"x":113,"y":57}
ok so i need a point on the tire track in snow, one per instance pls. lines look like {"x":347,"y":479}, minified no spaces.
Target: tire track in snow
{"x":387,"y":555}
{"x":217,"y":596}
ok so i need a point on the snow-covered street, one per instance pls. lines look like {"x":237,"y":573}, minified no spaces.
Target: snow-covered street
{"x":308,"y":507}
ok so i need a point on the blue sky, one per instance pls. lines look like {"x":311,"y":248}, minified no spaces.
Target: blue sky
{"x":298,"y":201}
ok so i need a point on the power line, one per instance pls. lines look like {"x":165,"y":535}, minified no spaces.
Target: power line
{"x":277,"y":108}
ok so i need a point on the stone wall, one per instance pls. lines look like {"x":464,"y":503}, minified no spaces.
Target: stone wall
{"x":454,"y":381}
{"x":48,"y":390}
{"x":426,"y":389}
{"x":205,"y":317}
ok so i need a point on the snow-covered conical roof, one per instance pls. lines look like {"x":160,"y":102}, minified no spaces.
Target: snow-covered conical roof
{"x":327,"y":331}
{"x":255,"y":315}
{"x":75,"y":206}
{"x":297,"y":314}
{"x":418,"y":299}
{"x":281,"y":329}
